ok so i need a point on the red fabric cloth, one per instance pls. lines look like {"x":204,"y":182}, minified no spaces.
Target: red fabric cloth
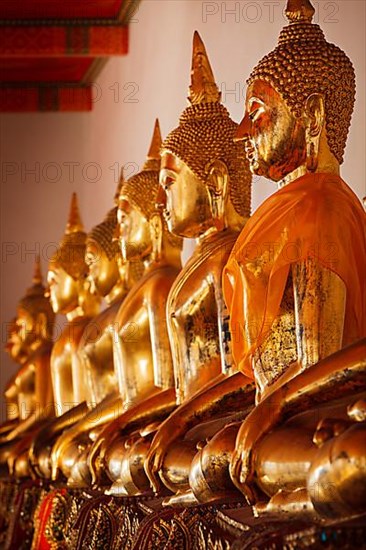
{"x":43,"y":538}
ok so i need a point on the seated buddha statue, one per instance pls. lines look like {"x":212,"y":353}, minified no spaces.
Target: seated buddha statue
{"x":14,"y":349}
{"x":206,"y":180}
{"x":141,"y":347}
{"x":294,"y":286}
{"x":19,"y":355}
{"x":31,"y":345}
{"x":110,"y":279}
{"x":70,"y":294}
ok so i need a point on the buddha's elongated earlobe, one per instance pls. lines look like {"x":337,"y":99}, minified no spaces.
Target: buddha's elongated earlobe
{"x":315,"y":117}
{"x":156,"y":232}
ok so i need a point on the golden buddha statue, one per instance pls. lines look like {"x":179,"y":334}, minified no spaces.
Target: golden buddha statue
{"x":110,"y":282}
{"x":31,"y":344}
{"x":110,"y":279}
{"x":207,"y":183}
{"x":70,"y":294}
{"x":141,"y":345}
{"x":14,"y":349}
{"x":294,"y":287}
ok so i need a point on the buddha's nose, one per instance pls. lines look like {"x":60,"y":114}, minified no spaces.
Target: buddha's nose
{"x":243,"y":129}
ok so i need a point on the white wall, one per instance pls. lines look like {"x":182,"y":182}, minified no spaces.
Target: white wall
{"x":156,"y":76}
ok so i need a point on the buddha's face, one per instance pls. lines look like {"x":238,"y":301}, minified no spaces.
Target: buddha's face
{"x":188,"y":210}
{"x":274,"y":139}
{"x":63,"y":290}
{"x":26,"y":332}
{"x":134,"y":228}
{"x":14,"y":343}
{"x":103,"y":272}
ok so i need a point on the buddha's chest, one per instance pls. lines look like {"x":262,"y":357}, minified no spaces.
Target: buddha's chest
{"x":194,"y":317}
{"x":279,"y":348}
{"x":96,"y":346}
{"x":194,"y":323}
{"x":131,"y":328}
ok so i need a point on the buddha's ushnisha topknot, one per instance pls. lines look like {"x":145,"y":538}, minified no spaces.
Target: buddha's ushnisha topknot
{"x":70,"y":255}
{"x":34,"y":301}
{"x":142,"y":188}
{"x":206,"y":133}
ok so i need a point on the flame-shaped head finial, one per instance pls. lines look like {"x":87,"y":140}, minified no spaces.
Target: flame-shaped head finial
{"x":299,"y":11}
{"x":74,"y":223}
{"x":203,"y":88}
{"x":153,"y":156}
{"x":37,"y":274}
{"x":119,"y":187}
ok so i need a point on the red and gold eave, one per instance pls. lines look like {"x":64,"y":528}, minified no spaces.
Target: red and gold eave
{"x":51,"y":51}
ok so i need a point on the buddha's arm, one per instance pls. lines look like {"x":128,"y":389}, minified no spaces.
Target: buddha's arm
{"x":320,"y":298}
{"x":11,"y":399}
{"x":25,"y":382}
{"x":23,"y":426}
{"x":79,"y":378}
{"x":12,"y":410}
{"x":154,"y":408}
{"x":97,"y":359}
{"x":104,"y":412}
{"x":43,"y":388}
{"x":341,"y":375}
{"x":7,"y":426}
{"x":53,"y":428}
{"x":228,"y":395}
{"x":160,"y":345}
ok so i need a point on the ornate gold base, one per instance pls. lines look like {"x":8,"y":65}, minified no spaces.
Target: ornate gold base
{"x":85,"y":520}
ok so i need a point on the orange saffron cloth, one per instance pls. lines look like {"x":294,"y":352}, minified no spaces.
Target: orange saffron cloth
{"x":316,"y":216}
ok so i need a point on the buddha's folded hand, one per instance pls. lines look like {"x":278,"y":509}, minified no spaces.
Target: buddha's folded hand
{"x":257,"y":424}
{"x":167,"y":434}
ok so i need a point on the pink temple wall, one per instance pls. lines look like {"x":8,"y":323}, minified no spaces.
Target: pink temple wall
{"x":152,"y":81}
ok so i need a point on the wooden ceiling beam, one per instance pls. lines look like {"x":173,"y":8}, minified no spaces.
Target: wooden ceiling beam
{"x":63,"y":40}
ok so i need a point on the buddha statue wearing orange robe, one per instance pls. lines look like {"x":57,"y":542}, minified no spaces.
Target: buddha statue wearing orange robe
{"x":295,"y":284}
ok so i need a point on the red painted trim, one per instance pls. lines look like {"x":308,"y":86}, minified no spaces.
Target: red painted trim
{"x":64,"y":40}
{"x":60,"y":9}
{"x":32,"y":71}
{"x":45,"y":99}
